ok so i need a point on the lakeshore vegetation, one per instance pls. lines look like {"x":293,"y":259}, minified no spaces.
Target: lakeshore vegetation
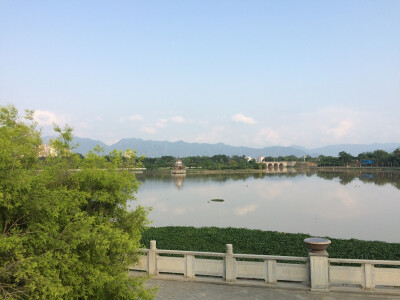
{"x":252,"y":241}
{"x":378,"y":158}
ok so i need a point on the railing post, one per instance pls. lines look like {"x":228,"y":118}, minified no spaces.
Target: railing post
{"x":369,"y":276}
{"x":319,"y":270}
{"x":270,"y":271}
{"x":189,"y":262}
{"x":152,"y":259}
{"x":229,"y":264}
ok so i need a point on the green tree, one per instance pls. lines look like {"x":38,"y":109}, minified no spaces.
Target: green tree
{"x":64,"y":234}
{"x":381,"y":157}
{"x":345,"y":158}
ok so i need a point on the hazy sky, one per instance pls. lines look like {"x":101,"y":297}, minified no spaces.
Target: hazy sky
{"x":245,"y":73}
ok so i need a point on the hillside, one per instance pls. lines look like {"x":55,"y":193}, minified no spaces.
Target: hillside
{"x":183,"y":149}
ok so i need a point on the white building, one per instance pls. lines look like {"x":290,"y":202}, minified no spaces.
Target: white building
{"x":260,"y":159}
{"x":46,"y":150}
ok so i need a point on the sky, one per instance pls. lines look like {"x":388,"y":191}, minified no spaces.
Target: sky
{"x":244,"y":73}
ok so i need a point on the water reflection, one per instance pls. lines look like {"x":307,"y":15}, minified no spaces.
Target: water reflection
{"x":178,"y":179}
{"x":341,"y":203}
{"x":377,"y":177}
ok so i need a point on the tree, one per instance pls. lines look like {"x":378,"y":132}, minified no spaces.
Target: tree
{"x":64,"y":234}
{"x":381,"y":157}
{"x":345,"y":157}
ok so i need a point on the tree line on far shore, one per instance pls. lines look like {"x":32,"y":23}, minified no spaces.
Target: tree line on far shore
{"x":216,"y":162}
{"x":377,"y":158}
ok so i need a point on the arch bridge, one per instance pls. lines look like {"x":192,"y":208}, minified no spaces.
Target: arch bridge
{"x":279,"y":164}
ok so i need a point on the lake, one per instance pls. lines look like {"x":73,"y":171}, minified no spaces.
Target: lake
{"x":346,"y":204}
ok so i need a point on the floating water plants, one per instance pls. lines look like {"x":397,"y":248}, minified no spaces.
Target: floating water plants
{"x":217,"y":200}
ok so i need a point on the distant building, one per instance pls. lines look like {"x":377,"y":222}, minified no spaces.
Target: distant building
{"x":46,"y":150}
{"x":260,"y":159}
{"x":128,"y":154}
{"x":248,"y":158}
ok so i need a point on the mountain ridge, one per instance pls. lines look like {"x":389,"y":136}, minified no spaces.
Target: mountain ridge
{"x":180,"y":148}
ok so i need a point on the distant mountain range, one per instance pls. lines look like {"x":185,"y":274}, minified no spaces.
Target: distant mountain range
{"x":184,"y":149}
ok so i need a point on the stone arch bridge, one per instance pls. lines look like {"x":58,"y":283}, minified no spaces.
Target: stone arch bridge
{"x":279,"y":164}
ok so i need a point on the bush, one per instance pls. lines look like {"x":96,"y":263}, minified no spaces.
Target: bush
{"x":64,"y":234}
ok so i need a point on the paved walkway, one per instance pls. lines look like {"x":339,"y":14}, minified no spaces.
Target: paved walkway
{"x":189,"y":290}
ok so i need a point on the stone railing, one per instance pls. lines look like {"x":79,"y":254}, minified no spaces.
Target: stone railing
{"x":317,"y":271}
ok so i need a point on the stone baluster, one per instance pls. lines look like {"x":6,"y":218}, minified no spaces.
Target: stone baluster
{"x":229,"y":264}
{"x":189,"y":266}
{"x":319,"y":270}
{"x":152,"y":259}
{"x":270,"y":270}
{"x":369,"y":277}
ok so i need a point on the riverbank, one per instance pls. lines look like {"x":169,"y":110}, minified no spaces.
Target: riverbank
{"x":251,"y":241}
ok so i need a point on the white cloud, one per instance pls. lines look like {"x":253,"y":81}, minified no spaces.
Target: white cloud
{"x":47,"y":118}
{"x":149,"y":130}
{"x":204,"y":123}
{"x":161,"y":123}
{"x":134,"y":118}
{"x":84,"y":125}
{"x":327,"y":126}
{"x":268,"y":136}
{"x":178,"y":119}
{"x":341,"y":129}
{"x":214,"y":135}
{"x":240,"y":118}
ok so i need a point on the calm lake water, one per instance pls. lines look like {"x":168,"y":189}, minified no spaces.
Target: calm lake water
{"x":344,"y":205}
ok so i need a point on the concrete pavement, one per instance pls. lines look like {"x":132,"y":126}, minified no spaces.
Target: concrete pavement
{"x":192,"y":290}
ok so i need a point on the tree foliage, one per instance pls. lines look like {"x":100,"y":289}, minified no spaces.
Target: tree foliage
{"x":64,"y":233}
{"x":215,"y":162}
{"x":380,"y":158}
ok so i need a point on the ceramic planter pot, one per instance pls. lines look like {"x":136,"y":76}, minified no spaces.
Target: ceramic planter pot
{"x":317,"y":244}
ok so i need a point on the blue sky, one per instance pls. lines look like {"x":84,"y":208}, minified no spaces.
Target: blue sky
{"x":245,"y":73}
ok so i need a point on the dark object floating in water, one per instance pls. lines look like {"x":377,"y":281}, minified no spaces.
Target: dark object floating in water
{"x":217,"y":200}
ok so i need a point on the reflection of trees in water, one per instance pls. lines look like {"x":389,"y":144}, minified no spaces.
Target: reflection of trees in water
{"x":222,"y":177}
{"x":235,"y":176}
{"x":344,"y":176}
{"x":373,"y":177}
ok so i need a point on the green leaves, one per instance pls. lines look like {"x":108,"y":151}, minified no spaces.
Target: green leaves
{"x":65,"y":231}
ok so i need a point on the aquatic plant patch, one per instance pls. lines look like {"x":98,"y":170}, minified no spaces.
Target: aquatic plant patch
{"x":252,"y":241}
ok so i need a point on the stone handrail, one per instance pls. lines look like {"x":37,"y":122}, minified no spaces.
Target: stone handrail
{"x":364,"y":261}
{"x":271,"y":257}
{"x":317,"y":271}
